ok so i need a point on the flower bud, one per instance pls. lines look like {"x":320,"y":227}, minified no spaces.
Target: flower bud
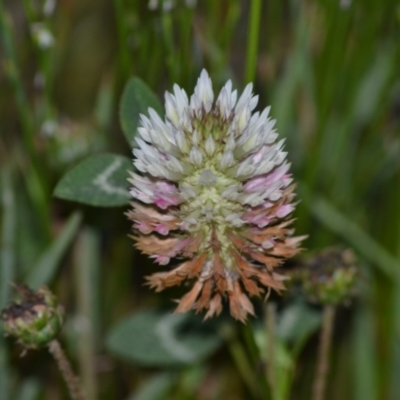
{"x":36,"y":320}
{"x":331,"y":276}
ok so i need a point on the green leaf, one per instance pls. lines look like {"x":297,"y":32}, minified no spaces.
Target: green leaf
{"x":29,"y":390}
{"x":45,"y":269}
{"x":136,"y":100}
{"x":153,"y":338}
{"x":156,"y":388}
{"x":297,"y":322}
{"x":100,"y":180}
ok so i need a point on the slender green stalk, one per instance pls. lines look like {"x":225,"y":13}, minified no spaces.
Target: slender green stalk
{"x":39,"y":196}
{"x":86,"y":268}
{"x":65,"y":368}
{"x":256,"y":359}
{"x":169,"y":45}
{"x":43,"y":56}
{"x":251,"y":343}
{"x":271,"y":365}
{"x":122,"y":30}
{"x":324,"y":351}
{"x":7,"y":272}
{"x":186,"y":37}
{"x":12,"y":73}
{"x":252,"y":40}
{"x":243,"y":364}
{"x":4,"y":372}
{"x":226,"y":34}
{"x":7,"y":269}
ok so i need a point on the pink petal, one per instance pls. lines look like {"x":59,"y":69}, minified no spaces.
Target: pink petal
{"x":162,"y":229}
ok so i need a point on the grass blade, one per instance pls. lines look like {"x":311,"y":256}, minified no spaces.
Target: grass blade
{"x":45,"y":269}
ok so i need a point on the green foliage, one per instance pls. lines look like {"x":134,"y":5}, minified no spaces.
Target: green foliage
{"x":100,"y":180}
{"x":136,"y":100}
{"x":154,"y":338}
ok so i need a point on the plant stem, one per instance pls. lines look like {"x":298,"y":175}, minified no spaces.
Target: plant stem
{"x":86,"y":281}
{"x":256,"y":358}
{"x":65,"y":368}
{"x":44,"y":58}
{"x":242,"y":362}
{"x":7,"y":267}
{"x":252,"y":41}
{"x":271,"y":365}
{"x":12,"y":73}
{"x":122,"y":31}
{"x":324,"y":350}
{"x":169,"y":45}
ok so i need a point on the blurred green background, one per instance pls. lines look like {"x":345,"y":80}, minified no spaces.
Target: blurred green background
{"x":330,"y":71}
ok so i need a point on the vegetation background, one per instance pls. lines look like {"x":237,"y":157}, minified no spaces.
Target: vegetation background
{"x":330,"y":71}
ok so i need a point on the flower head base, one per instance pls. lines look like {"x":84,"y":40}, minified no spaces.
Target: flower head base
{"x":217,"y":193}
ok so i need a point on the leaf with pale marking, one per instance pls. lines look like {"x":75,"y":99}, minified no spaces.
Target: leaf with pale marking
{"x":152,"y":338}
{"x":136,"y":100}
{"x":100,"y":180}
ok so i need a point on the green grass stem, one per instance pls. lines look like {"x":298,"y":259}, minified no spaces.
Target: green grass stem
{"x":86,"y":271}
{"x":7,"y":269}
{"x":252,"y":40}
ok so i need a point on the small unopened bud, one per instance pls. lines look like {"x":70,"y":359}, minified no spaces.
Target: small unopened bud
{"x":36,"y":320}
{"x":331,"y":276}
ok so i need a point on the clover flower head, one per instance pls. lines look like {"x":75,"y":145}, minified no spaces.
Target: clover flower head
{"x":214,"y":192}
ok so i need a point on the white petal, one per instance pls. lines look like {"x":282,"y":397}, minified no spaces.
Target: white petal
{"x":243,"y":117}
{"x":144,"y":133}
{"x":195,"y":156}
{"x":253,"y":102}
{"x":175,"y":164}
{"x":187,"y":192}
{"x":186,"y":120}
{"x":245,"y":97}
{"x":204,"y":91}
{"x":230,"y":143}
{"x":195,"y":137}
{"x":210,"y":146}
{"x":233,"y":98}
{"x":170,"y":109}
{"x":182,"y":142}
{"x":181,"y":99}
{"x":227,"y":159}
